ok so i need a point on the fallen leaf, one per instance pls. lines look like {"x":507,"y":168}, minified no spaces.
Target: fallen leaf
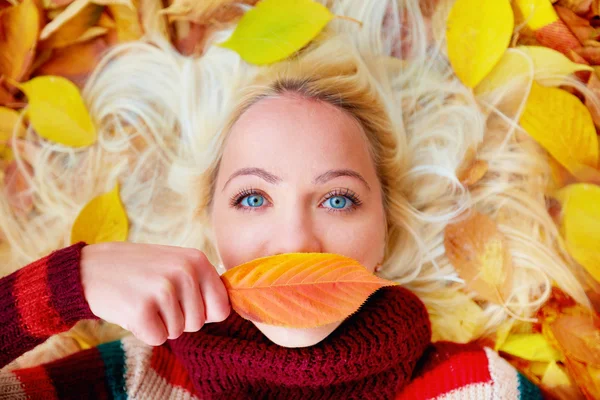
{"x":580,"y":27}
{"x":556,"y":380}
{"x":589,"y":54}
{"x":561,"y":124}
{"x":60,"y":118}
{"x":515,"y":67}
{"x":551,"y":66}
{"x":478,"y":252}
{"x":466,"y":324}
{"x":70,"y":24}
{"x":580,"y":226}
{"x":473,"y":173}
{"x":127,"y":21}
{"x":275,"y":29}
{"x":75,"y":62}
{"x":300,"y":290}
{"x":530,"y":346}
{"x":580,"y":7}
{"x":537,"y":13}
{"x":579,"y":336}
{"x":103,"y":219}
{"x":19,"y":28}
{"x":481,"y":29}
{"x":207,"y":11}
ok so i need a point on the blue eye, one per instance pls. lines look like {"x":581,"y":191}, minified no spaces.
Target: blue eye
{"x":337,"y":202}
{"x":255,"y":200}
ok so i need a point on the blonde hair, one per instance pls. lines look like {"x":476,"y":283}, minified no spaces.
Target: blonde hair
{"x":163,"y":120}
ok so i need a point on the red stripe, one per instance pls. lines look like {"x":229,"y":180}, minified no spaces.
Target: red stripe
{"x":169,"y":368}
{"x":36,"y":383}
{"x":33,"y":300}
{"x":458,"y":371}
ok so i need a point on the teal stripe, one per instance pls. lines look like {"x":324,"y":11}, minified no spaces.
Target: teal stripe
{"x":527,"y":390}
{"x":113,"y":355}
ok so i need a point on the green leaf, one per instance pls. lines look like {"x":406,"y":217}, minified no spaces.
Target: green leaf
{"x":57,"y":112}
{"x":275,"y":29}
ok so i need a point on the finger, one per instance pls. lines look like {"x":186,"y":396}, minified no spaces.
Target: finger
{"x":216,"y":299}
{"x":149,"y":328}
{"x":191,"y":303}
{"x":170,"y":309}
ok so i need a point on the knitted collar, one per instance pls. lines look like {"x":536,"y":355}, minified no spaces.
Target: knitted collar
{"x":370,"y":355}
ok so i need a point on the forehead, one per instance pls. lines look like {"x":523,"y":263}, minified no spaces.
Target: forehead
{"x":284,"y":132}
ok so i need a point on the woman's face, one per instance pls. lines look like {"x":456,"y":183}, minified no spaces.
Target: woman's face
{"x":296,"y":176}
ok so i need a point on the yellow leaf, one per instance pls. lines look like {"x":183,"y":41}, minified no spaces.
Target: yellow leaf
{"x":460,"y":320}
{"x":102,"y":220}
{"x":580,"y":225}
{"x":275,"y":29}
{"x":530,"y":346}
{"x":550,"y":66}
{"x":127,"y":21}
{"x":478,"y":252}
{"x":559,"y":122}
{"x":513,"y":66}
{"x":555,"y":376}
{"x":537,"y":13}
{"x":57,"y":112}
{"x":478,"y":32}
{"x":70,"y":24}
{"x":300,"y":290}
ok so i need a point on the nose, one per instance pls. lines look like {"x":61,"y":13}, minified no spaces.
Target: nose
{"x":296,"y":233}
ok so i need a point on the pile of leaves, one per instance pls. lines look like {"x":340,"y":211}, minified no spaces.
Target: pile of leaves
{"x":50,"y":47}
{"x":556,"y":43}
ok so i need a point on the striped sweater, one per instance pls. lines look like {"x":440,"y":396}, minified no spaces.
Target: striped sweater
{"x":381,"y":352}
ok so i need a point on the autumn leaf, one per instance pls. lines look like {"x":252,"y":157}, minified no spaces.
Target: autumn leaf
{"x":530,"y":346}
{"x":580,"y":225}
{"x":102,"y":220}
{"x":19,"y":28}
{"x":561,"y":124}
{"x":579,"y":336}
{"x":471,"y":169}
{"x":275,"y":29}
{"x":581,"y":27}
{"x":478,"y":33}
{"x":75,"y":62}
{"x":207,"y":11}
{"x":478,"y":252}
{"x":60,"y":118}
{"x":127,"y":21}
{"x":70,"y":24}
{"x":300,"y":290}
{"x":537,"y":13}
{"x":550,"y":66}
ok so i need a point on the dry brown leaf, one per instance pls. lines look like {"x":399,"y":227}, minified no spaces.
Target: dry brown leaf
{"x":580,"y":27}
{"x":479,"y":253}
{"x":70,"y":24}
{"x":207,"y":11}
{"x":579,"y":7}
{"x":74,"y":62}
{"x":19,"y":28}
{"x":579,"y":336}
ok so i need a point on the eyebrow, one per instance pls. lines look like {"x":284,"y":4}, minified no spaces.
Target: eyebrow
{"x":319,"y":180}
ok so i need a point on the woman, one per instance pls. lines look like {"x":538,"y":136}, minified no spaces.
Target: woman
{"x":341,"y":149}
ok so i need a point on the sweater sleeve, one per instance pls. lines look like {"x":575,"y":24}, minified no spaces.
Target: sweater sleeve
{"x":39,"y":300}
{"x":125,"y":368}
{"x":467,"y":371}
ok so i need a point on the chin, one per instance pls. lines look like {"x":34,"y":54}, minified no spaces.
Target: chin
{"x":294,"y":337}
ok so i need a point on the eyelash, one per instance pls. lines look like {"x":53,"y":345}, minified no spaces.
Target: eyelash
{"x":237,"y":198}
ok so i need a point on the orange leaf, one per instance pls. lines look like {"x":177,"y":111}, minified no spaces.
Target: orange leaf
{"x":471,"y":169}
{"x":205,"y":12}
{"x":70,"y":24}
{"x":478,"y":252}
{"x":74,"y":62}
{"x":19,"y":27}
{"x":300,"y":290}
{"x":557,"y":36}
{"x":189,"y":37}
{"x":580,"y":7}
{"x":579,"y":336}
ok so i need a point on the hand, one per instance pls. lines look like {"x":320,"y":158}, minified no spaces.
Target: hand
{"x":156,"y":292}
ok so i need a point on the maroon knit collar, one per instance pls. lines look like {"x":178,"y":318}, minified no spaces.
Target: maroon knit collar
{"x":370,"y":355}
